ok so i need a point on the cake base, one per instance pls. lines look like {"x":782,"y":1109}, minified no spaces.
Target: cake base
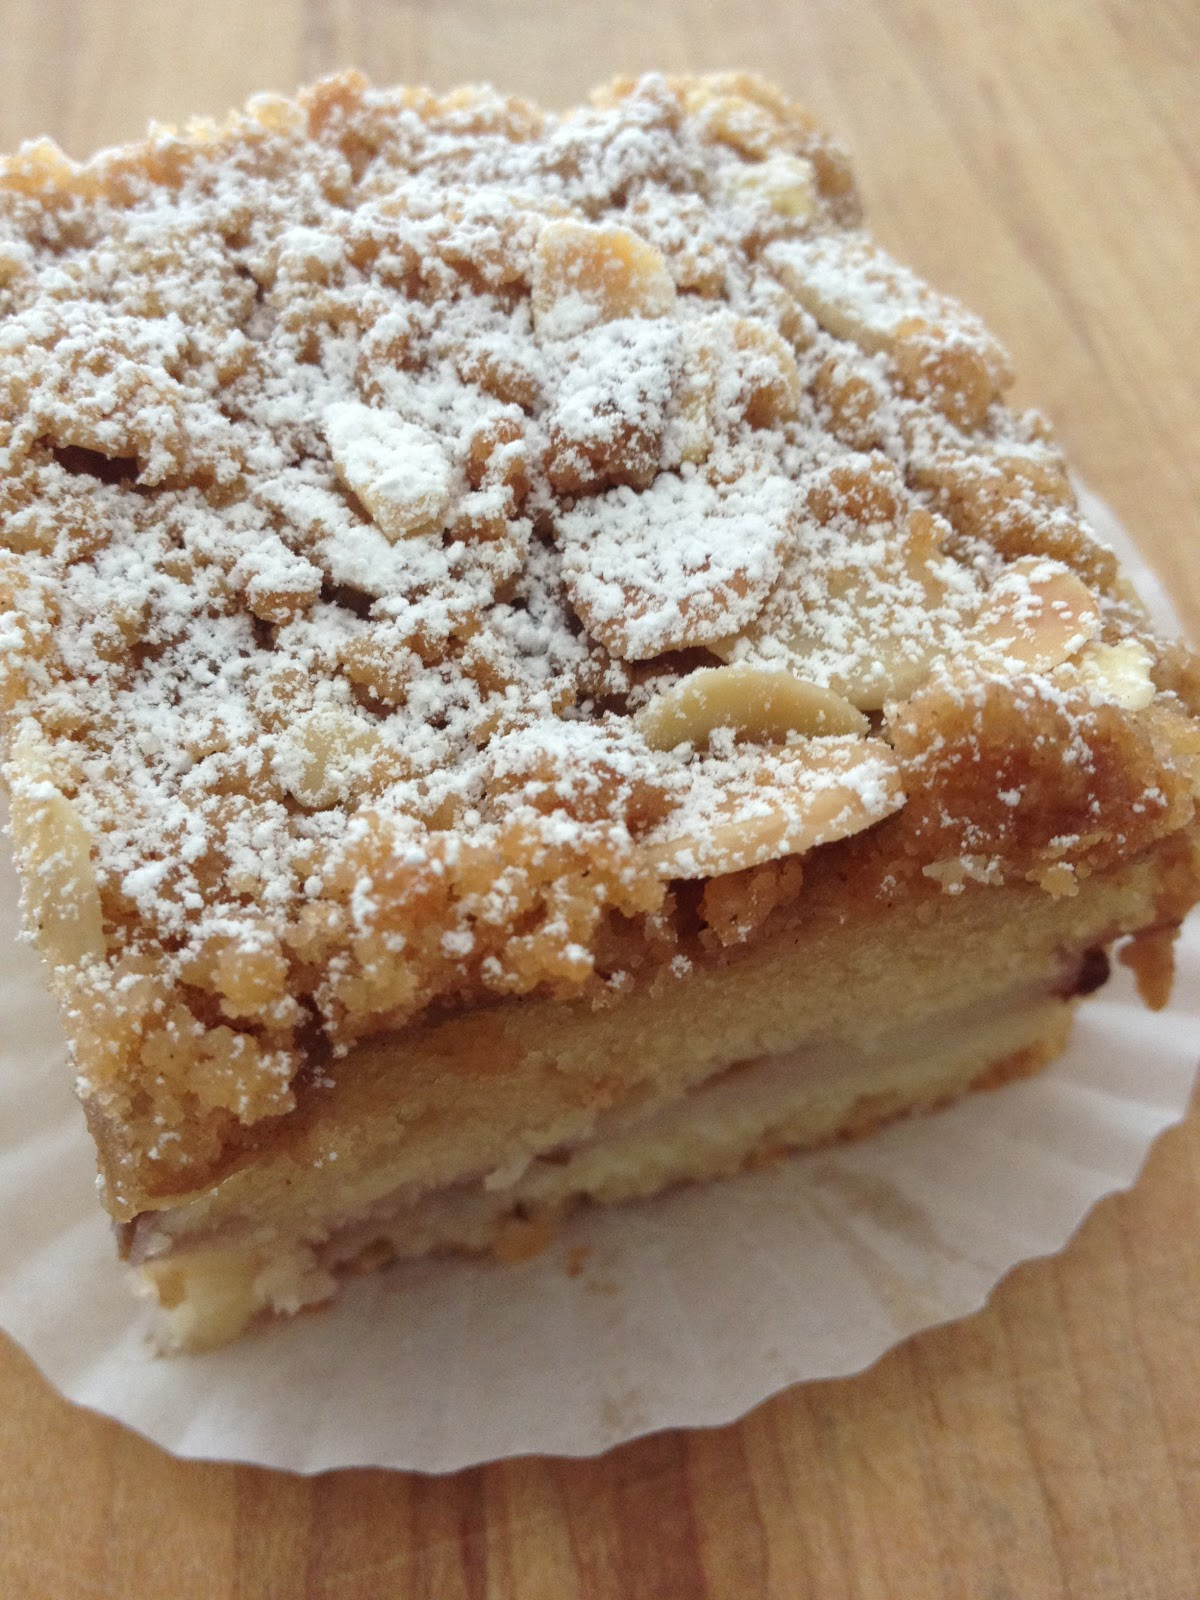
{"x":821,"y":1033}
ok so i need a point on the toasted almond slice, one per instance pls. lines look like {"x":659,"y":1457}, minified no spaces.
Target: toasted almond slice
{"x":329,"y":753}
{"x":276,"y":113}
{"x":769,"y":378}
{"x":866,"y":612}
{"x":858,"y":292}
{"x":1037,"y":615}
{"x":734,"y":370}
{"x":1120,"y":673}
{"x":897,"y":669}
{"x":62,"y":900}
{"x":758,"y":701}
{"x":685,"y":561}
{"x":730,"y":118}
{"x":693,"y":424}
{"x":782,"y":181}
{"x":764,"y":804}
{"x":584,"y":273}
{"x":16,"y":260}
{"x":854,"y":289}
{"x":398,"y":470}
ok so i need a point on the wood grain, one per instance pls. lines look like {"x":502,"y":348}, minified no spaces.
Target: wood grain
{"x":1042,"y":159}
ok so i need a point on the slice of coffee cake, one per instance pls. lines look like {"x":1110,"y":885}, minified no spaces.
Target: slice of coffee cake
{"x":538,"y":665}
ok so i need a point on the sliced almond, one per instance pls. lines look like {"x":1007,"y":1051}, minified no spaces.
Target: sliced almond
{"x":1037,"y":615}
{"x":729,"y":118}
{"x":16,"y":260}
{"x":769,"y":380}
{"x":761,"y":702}
{"x":742,"y":811}
{"x":685,"y":561}
{"x":398,"y":470}
{"x":865,"y":607}
{"x":1119,"y":673}
{"x":277,"y":114}
{"x":62,"y":899}
{"x":784,"y":182}
{"x":857,"y":291}
{"x":693,"y":424}
{"x":733,"y":370}
{"x":853,"y":289}
{"x":584,"y":273}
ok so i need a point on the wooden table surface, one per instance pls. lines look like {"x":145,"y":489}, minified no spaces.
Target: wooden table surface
{"x":1041,"y":158}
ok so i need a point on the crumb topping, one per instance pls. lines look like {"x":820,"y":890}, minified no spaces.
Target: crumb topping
{"x":436,"y":533}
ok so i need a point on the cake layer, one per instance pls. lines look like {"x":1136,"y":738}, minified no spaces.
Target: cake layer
{"x":483,"y":1092}
{"x":210,"y":1288}
{"x":424,"y":1143}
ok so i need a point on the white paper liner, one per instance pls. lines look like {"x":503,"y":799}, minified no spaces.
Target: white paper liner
{"x":689,"y":1309}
